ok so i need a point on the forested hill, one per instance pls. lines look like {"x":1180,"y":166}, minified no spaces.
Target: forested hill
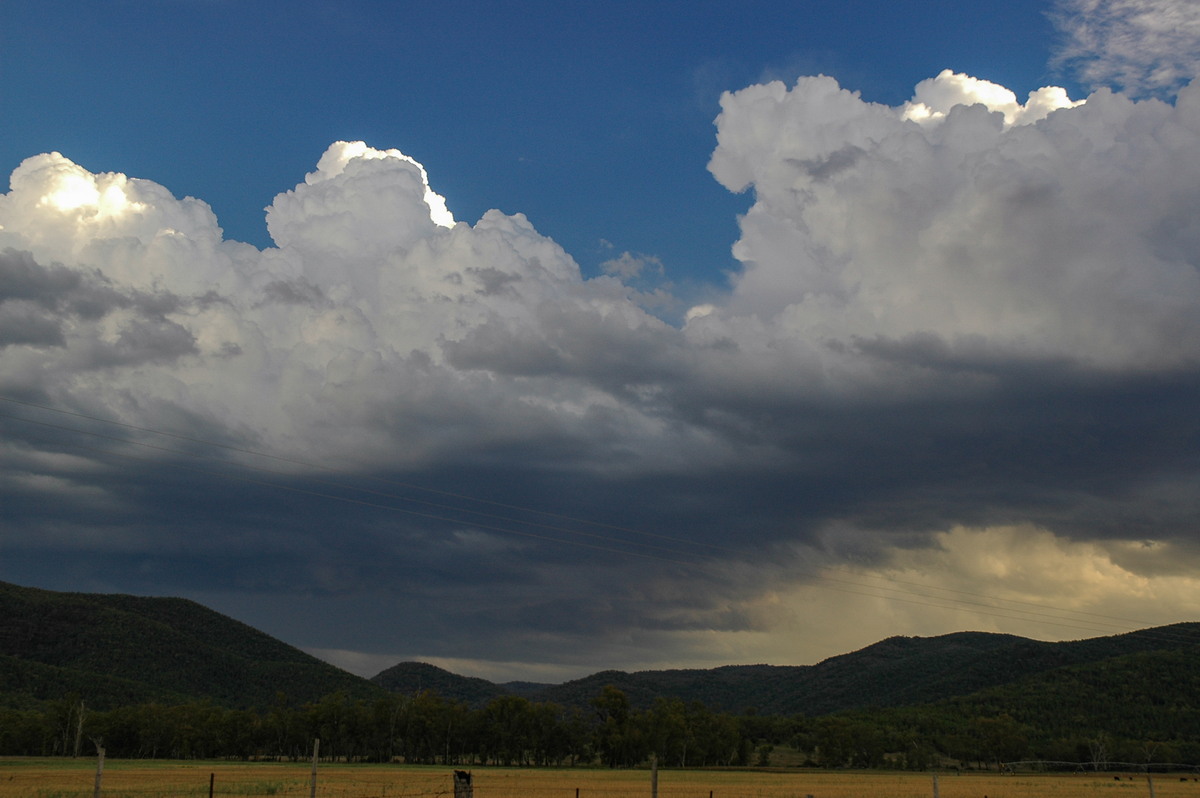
{"x":1151,"y":695}
{"x":115,"y":650}
{"x":415,"y":677}
{"x":898,"y":671}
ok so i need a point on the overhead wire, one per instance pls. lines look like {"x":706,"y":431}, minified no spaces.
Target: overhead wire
{"x":827,"y":579}
{"x":319,"y":467}
{"x":905,"y":591}
{"x":331,"y":496}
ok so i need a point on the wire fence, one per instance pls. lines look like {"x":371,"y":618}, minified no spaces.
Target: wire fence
{"x":1024,"y":779}
{"x":1053,"y":765}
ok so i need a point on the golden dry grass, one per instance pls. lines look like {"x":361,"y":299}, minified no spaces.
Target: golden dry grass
{"x":46,"y":778}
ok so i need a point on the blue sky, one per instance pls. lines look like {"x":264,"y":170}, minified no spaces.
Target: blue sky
{"x":595,"y":120}
{"x":764,"y":331}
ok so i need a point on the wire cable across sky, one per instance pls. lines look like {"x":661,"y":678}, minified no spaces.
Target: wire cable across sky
{"x":459,"y":509}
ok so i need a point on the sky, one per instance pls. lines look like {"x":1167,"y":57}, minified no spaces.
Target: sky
{"x":535,"y":339}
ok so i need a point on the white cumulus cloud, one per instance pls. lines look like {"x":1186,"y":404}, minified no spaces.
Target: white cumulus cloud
{"x":935,"y":97}
{"x":1065,"y":237}
{"x":375,"y":307}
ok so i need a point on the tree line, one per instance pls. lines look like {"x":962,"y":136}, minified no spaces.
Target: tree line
{"x":423,"y":728}
{"x":511,"y":730}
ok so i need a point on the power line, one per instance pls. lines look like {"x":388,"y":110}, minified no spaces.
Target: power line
{"x":360,"y":502}
{"x":905,"y":591}
{"x":319,"y":467}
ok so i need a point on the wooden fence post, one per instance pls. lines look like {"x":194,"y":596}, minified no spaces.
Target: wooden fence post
{"x":312,"y":790}
{"x":1150,"y":782}
{"x":935,"y":786}
{"x":462,"y":785}
{"x":99,"y":770}
{"x":78,"y":731}
{"x":653,"y":776}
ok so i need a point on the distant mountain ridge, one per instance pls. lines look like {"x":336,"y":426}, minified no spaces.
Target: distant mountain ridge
{"x":115,"y":650}
{"x":895,"y":672}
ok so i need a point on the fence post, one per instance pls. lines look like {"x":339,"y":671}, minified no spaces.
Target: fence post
{"x":935,"y":786}
{"x":1150,"y":782}
{"x":312,"y":789}
{"x":653,"y":776}
{"x":462,"y":785}
{"x":78,"y":731}
{"x":99,"y":770}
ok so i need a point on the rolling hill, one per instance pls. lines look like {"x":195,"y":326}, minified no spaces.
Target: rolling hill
{"x":413,"y":677}
{"x":1150,"y":695}
{"x":898,"y":671}
{"x":116,"y":650}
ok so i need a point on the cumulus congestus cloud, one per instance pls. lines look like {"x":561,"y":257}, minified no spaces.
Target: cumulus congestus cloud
{"x":974,"y":228}
{"x":355,"y":317}
{"x":955,"y":318}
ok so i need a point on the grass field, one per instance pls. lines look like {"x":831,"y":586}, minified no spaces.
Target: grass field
{"x":56,"y":778}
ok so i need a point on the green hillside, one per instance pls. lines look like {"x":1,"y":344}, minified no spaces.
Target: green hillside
{"x":119,"y":651}
{"x":1152,"y":695}
{"x":115,"y":650}
{"x":898,"y":671}
{"x":170,"y":677}
{"x":903,"y":671}
{"x":1122,"y":712}
{"x":414,"y":677}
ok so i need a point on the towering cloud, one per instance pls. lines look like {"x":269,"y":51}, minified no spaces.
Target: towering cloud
{"x":374,"y":306}
{"x":972,"y":231}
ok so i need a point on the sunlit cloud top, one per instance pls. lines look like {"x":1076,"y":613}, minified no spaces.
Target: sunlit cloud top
{"x":935,"y":97}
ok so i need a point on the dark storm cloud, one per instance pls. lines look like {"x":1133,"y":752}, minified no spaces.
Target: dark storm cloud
{"x":22,"y":278}
{"x":21,"y":324}
{"x":39,"y":303}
